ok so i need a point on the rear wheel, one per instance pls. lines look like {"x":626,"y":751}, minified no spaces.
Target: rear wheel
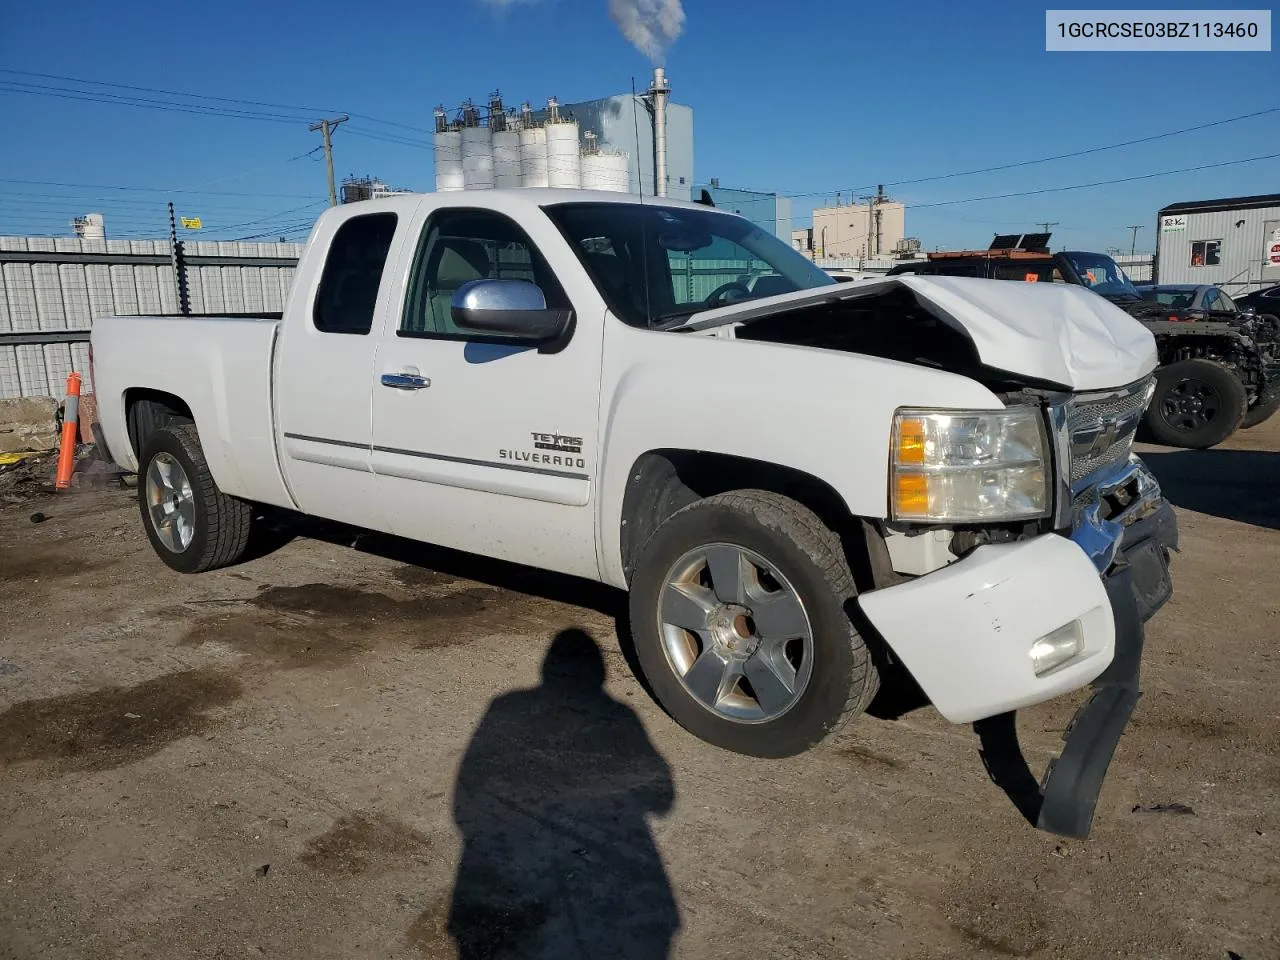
{"x":737,"y":612}
{"x":192,"y":525}
{"x":1197,"y":404}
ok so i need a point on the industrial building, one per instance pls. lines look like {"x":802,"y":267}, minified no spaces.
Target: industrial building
{"x":768,"y":211}
{"x":872,"y":229}
{"x":1233,"y":243}
{"x":624,"y":143}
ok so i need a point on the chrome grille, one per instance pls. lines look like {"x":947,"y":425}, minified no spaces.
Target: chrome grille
{"x":1100,"y":428}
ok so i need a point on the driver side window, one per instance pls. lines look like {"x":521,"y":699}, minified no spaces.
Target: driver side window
{"x":459,"y":246}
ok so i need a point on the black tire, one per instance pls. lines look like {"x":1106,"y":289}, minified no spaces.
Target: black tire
{"x":1261,"y":412}
{"x":1173,"y":417}
{"x":844,"y":678}
{"x":221,"y":524}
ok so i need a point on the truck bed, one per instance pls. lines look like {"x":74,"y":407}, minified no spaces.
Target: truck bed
{"x":221,"y":369}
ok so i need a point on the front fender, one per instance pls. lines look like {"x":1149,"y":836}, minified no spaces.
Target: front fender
{"x":822,"y":412}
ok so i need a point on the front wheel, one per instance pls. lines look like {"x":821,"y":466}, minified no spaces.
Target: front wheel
{"x":1196,"y":404}
{"x":738,"y":617}
{"x":192,"y":525}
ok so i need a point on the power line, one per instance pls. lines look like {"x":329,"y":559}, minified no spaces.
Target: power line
{"x":105,"y":186}
{"x":170,"y":93}
{"x":1060,"y":156}
{"x":9,"y":200}
{"x":310,"y":111}
{"x":283,"y":231}
{"x":389,"y":138}
{"x":1096,"y":183}
{"x":270,"y":216}
{"x":120,"y":101}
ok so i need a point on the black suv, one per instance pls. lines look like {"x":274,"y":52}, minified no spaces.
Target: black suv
{"x":1218,"y":370}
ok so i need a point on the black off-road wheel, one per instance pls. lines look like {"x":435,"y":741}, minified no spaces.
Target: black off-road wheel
{"x":1196,"y":404}
{"x":739,"y":622}
{"x":192,"y":525}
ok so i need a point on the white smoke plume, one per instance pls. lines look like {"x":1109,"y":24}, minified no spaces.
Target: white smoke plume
{"x":650,"y":25}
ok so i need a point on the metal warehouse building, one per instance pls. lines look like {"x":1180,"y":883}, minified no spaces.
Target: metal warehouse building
{"x":1233,"y":243}
{"x":768,"y":211}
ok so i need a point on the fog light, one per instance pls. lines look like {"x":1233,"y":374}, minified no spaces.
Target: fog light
{"x":1054,"y":649}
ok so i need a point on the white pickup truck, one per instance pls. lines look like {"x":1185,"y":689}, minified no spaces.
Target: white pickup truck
{"x":803,"y":484}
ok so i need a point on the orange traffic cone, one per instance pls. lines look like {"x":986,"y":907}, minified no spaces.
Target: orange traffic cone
{"x":70,"y":430}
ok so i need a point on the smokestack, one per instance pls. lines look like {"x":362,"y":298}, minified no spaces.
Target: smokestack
{"x":658,"y":94}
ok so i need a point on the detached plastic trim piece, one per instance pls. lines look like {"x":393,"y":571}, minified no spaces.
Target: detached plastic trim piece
{"x":1064,"y":802}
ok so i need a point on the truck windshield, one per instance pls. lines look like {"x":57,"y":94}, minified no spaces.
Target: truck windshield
{"x":658,"y":265}
{"x":1102,"y":275}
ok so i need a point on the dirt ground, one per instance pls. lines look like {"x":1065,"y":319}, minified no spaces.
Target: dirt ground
{"x":263,"y":761}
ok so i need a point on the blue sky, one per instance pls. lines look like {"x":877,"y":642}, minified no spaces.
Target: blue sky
{"x":797,"y":97}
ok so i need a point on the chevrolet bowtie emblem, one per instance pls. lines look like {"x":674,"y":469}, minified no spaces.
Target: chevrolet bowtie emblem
{"x":1096,"y":438}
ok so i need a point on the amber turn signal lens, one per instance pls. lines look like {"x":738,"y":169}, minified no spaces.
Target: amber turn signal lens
{"x":911,"y":494}
{"x":911,"y":441}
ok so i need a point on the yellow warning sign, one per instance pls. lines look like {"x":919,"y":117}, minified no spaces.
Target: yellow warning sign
{"x":192,"y":223}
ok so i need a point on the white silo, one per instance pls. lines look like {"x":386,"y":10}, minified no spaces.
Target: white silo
{"x":477,"y":151}
{"x":564,"y":161}
{"x":507,"y":159}
{"x":92,"y":226}
{"x":606,"y":170}
{"x":533,"y":150}
{"x":448,"y":143}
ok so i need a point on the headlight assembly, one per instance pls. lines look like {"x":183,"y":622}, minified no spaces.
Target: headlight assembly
{"x":969,"y":466}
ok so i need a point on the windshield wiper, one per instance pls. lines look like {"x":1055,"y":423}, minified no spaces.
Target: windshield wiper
{"x":663,"y":320}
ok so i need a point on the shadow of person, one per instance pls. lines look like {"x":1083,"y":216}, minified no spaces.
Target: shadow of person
{"x":552,"y":800}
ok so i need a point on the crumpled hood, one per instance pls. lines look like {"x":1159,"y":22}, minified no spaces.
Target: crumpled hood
{"x":1054,"y":332}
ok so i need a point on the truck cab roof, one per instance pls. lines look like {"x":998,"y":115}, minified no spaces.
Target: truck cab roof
{"x":537,"y":196}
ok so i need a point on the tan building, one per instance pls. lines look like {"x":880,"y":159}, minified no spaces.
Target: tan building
{"x":853,"y":230}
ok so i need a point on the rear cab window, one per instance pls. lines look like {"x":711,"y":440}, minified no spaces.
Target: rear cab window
{"x":1032,"y":271}
{"x":348,"y":289}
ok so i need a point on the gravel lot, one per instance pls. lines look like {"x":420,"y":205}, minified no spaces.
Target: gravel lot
{"x":351,"y":747}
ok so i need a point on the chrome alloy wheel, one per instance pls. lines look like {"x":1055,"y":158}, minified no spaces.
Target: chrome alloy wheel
{"x":170,"y":503}
{"x":736,"y":633}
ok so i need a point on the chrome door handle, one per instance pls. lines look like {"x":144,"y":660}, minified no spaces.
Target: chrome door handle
{"x":405,"y":381}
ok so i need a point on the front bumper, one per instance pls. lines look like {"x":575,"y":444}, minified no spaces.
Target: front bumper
{"x":1270,"y":383}
{"x":1138,"y":584}
{"x":986,"y":611}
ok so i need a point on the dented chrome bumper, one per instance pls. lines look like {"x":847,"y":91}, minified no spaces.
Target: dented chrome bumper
{"x":1102,"y":512}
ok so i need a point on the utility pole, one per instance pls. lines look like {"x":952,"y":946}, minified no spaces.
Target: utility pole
{"x":879,"y":200}
{"x":1133,"y":244}
{"x":1046,"y":224}
{"x":326,"y":128}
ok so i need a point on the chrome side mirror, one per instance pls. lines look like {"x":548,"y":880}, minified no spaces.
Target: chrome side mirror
{"x":515,"y":309}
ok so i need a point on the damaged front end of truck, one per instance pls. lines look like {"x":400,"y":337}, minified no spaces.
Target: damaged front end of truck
{"x":1082,"y":373}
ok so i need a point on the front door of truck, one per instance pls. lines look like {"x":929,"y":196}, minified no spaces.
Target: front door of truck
{"x":324,"y":365}
{"x":481,"y":444}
